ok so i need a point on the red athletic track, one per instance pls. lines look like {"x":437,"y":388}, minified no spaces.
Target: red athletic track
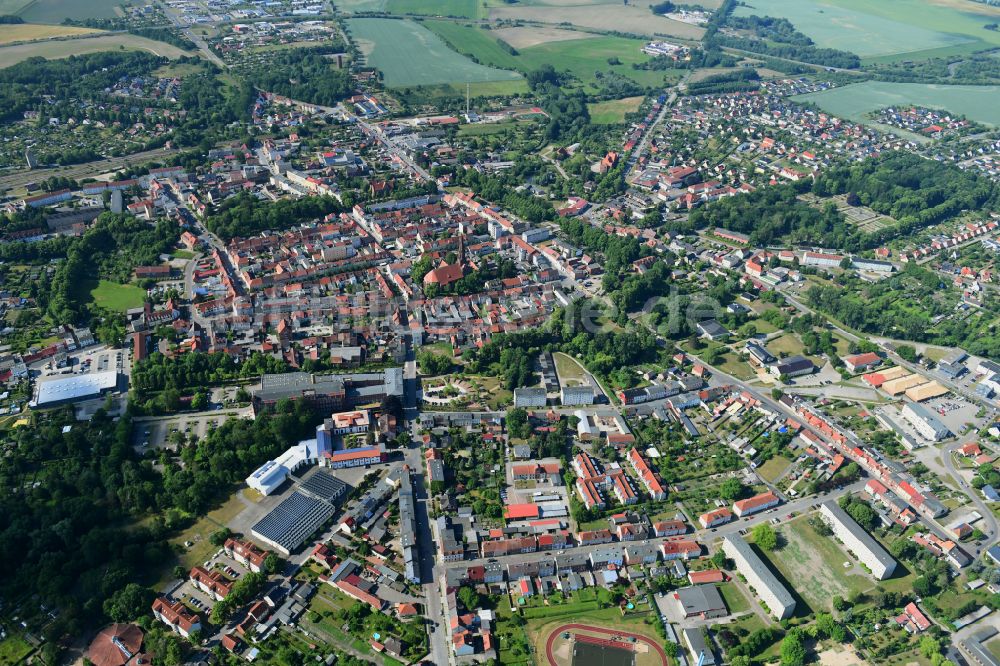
{"x":569,"y":627}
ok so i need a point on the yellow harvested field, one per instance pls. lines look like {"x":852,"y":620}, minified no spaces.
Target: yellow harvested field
{"x":630,"y":19}
{"x":64,"y":48}
{"x":524,"y":37}
{"x":28,"y":32}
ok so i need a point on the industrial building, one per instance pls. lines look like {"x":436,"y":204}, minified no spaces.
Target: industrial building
{"x":327,"y":392}
{"x":769,"y":589}
{"x":855,"y":539}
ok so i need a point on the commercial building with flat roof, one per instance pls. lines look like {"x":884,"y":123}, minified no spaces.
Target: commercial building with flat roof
{"x":769,"y":589}
{"x":858,"y":541}
{"x":63,"y":389}
{"x":924,"y":422}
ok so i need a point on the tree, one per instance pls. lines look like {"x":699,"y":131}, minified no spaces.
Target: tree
{"x":793,"y":650}
{"x":517,"y":423}
{"x":272,"y":563}
{"x":929,"y":646}
{"x":199,"y":401}
{"x":765,"y":537}
{"x":128,"y":603}
{"x":469,"y":598}
{"x":731,"y":489}
{"x":219,"y":536}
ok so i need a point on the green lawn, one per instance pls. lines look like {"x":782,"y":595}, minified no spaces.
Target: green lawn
{"x":182,"y":254}
{"x":14,"y":649}
{"x":735,"y":600}
{"x":788,"y":343}
{"x":410,"y":55}
{"x":773,"y":468}
{"x":568,"y":369}
{"x":198,"y":534}
{"x":813,"y":565}
{"x":613,"y":111}
{"x":484,"y":129}
{"x":118,"y":297}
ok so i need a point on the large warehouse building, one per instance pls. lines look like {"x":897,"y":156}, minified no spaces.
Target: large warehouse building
{"x":858,"y":541}
{"x":64,"y":389}
{"x":769,"y":589}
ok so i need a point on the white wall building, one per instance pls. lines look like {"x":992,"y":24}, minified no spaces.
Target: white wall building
{"x":855,"y":539}
{"x":769,"y":589}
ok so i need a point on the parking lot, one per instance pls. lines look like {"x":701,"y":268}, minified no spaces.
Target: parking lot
{"x":158,"y":433}
{"x":200,"y":601}
{"x":954,"y":412}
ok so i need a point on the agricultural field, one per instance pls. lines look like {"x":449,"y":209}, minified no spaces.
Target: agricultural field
{"x":634,"y":19}
{"x":459,"y":8}
{"x":56,"y":11}
{"x":580,"y":57}
{"x":523,"y":37}
{"x":978,"y":103}
{"x":64,"y":48}
{"x":613,"y":111}
{"x":26,"y":32}
{"x":816,"y":565}
{"x":119,"y":297}
{"x":410,"y":55}
{"x":887,"y":29}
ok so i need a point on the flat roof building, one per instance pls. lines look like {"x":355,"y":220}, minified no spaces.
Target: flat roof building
{"x":855,"y":539}
{"x":924,"y":422}
{"x":60,"y":390}
{"x":701,"y":601}
{"x":769,"y":589}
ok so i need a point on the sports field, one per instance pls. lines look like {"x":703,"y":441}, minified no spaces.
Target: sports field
{"x":889,"y":27}
{"x":580,"y":57}
{"x":979,"y":103}
{"x":410,"y":55}
{"x":63,"y":48}
{"x":26,"y":32}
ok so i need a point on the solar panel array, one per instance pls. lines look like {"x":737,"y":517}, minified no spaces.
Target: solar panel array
{"x":293,"y":520}
{"x":324,"y":485}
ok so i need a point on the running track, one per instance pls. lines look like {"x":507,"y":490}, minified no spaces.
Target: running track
{"x":570,"y":627}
